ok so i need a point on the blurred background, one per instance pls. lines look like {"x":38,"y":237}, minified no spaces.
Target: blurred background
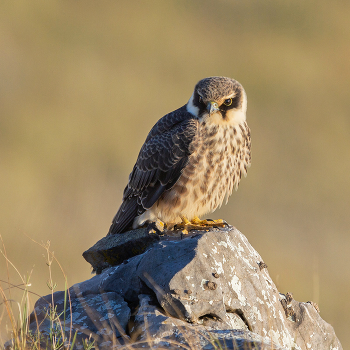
{"x":82,"y":83}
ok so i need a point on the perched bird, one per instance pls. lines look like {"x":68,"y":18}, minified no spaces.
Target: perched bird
{"x":192,"y":159}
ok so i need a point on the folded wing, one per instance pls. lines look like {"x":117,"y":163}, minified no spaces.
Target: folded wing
{"x":159,"y":165}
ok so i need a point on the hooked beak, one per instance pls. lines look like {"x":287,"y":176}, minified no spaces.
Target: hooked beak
{"x":212,"y":107}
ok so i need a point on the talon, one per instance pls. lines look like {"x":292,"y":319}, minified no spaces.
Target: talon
{"x":225,"y":223}
{"x":211,"y":220}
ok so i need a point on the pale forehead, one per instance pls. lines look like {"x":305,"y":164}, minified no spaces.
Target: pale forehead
{"x":216,"y":88}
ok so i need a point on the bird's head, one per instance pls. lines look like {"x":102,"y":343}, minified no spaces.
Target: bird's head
{"x":219,"y":100}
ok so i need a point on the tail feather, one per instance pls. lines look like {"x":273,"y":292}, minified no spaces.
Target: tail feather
{"x":125,"y":216}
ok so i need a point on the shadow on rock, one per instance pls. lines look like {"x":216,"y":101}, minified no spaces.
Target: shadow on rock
{"x":206,"y":288}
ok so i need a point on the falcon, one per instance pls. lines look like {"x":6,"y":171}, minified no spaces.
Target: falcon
{"x":191,"y":161}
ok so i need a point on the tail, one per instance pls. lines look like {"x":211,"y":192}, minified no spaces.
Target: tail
{"x":125,"y":216}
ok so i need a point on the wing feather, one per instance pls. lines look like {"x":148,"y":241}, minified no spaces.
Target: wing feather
{"x":159,"y":165}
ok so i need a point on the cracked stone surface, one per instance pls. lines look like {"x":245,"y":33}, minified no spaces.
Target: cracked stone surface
{"x":212,"y":282}
{"x":164,"y":331}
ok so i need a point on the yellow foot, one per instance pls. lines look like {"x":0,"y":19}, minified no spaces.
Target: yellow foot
{"x":160,"y":225}
{"x":184,"y":226}
{"x":198,"y":224}
{"x":197,"y":221}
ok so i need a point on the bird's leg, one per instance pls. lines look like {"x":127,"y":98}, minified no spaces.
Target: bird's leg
{"x":184,"y":225}
{"x":185,"y":221}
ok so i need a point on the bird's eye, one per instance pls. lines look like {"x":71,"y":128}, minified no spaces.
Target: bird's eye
{"x":228,"y":102}
{"x":200,"y":99}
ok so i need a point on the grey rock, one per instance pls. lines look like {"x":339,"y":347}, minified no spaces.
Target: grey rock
{"x":158,"y":330}
{"x":210,"y":285}
{"x":184,"y":277}
{"x":99,"y":317}
{"x":315,"y":332}
{"x":122,"y":279}
{"x":112,"y":250}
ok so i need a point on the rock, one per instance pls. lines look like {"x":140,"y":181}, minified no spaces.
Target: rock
{"x":114,"y":249}
{"x":97,"y":317}
{"x":163,"y":331}
{"x":210,"y":285}
{"x":315,"y":332}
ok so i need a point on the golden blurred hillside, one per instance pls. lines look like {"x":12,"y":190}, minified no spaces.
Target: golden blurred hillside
{"x":82,"y":82}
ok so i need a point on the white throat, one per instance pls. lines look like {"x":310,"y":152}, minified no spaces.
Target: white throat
{"x":191,"y":108}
